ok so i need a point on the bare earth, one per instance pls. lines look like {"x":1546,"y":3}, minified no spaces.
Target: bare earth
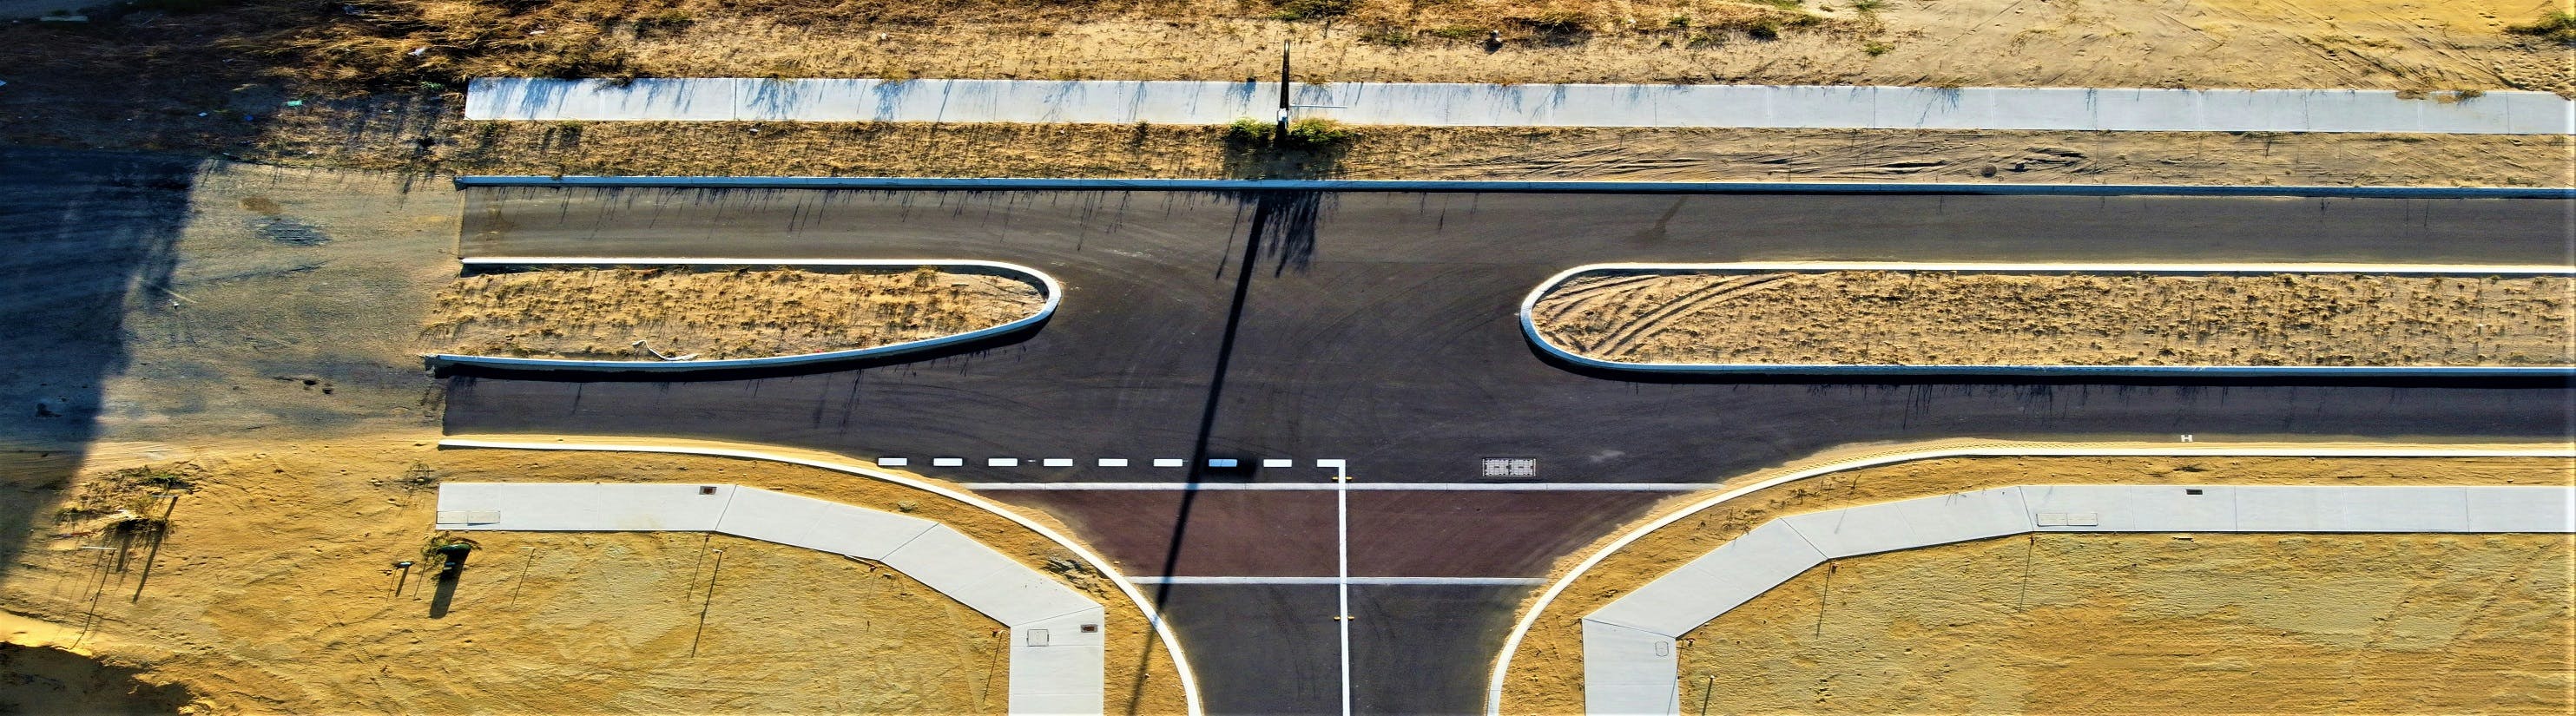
{"x":599,"y":313}
{"x":1546,"y":675}
{"x":1947,"y":318}
{"x":272,"y":592}
{"x":2156,"y":623}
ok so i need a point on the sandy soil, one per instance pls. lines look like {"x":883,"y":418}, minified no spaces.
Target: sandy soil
{"x":2394,"y":44}
{"x":598,"y":314}
{"x":2202,"y":623}
{"x":1546,"y":672}
{"x":154,"y":80}
{"x":271,"y":592}
{"x":1888,"y":318}
{"x":377,"y":140}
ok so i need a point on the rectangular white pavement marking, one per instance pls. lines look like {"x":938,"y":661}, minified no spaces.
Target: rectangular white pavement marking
{"x":1573,"y":105}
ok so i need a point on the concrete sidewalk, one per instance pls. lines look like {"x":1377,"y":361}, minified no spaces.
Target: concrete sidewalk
{"x":1471,"y":105}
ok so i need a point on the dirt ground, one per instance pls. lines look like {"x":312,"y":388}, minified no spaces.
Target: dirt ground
{"x":381,"y":141}
{"x":597,"y":314}
{"x":1920,"y":318}
{"x":202,"y":82}
{"x":2156,"y":623}
{"x":272,"y":592}
{"x":1546,"y":671}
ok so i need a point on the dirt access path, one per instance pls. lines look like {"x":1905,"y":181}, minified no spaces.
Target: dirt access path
{"x":597,"y":314}
{"x":1949,"y":318}
{"x":2101,"y":622}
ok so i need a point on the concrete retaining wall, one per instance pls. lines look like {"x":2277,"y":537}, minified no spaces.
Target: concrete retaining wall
{"x":1570,"y":105}
{"x":1647,"y":619}
{"x":1054,"y":294}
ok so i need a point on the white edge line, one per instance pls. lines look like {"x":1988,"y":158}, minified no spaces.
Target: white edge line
{"x":1362,"y":487}
{"x":1153,"y":619}
{"x":1520,"y":629}
{"x":1054,"y":295}
{"x":1354,"y":581}
{"x":1529,"y":323}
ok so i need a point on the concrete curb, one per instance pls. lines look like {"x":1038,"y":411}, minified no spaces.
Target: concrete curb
{"x":1054,"y":295}
{"x":1630,"y":658}
{"x":1529,"y":324}
{"x":1558,"y":187}
{"x":1153,"y":618}
{"x":1520,"y":629}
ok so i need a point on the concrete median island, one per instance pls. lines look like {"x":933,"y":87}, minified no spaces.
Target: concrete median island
{"x":1785,"y":315}
{"x":704,"y":312}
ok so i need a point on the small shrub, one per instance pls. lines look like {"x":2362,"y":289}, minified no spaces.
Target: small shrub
{"x":1557,"y":22}
{"x":1387,"y":37}
{"x":1295,"y":10}
{"x":665,"y":22}
{"x":1868,"y":5}
{"x":1247,"y":131}
{"x":1458,"y":32}
{"x":1313,"y":132}
{"x":1876,"y":48}
{"x":1765,"y":31}
{"x":2558,"y":26}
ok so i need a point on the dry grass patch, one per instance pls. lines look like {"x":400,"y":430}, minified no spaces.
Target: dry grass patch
{"x":1882,"y":646}
{"x":599,"y":314}
{"x":1948,"y":318}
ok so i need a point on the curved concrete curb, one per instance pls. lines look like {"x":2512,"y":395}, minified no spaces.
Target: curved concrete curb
{"x":1531,"y":187}
{"x":1054,"y":295}
{"x":1529,"y":324}
{"x":1630,"y":659}
{"x":1529,"y":618}
{"x":1153,"y":619}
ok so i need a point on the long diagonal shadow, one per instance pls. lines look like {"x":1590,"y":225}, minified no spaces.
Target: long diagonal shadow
{"x":1288,"y":219}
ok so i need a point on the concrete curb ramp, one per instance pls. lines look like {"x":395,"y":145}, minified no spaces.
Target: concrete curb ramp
{"x":1535,"y":105}
{"x":1630,"y":665}
{"x":1529,"y":323}
{"x":1057,"y":634}
{"x":1054,"y":295}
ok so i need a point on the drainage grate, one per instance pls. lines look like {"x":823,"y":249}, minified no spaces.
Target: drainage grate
{"x":1511,"y":467}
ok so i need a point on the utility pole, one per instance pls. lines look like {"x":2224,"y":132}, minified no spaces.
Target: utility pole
{"x":1282,"y":132}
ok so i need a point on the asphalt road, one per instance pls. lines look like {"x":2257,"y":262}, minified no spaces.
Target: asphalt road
{"x":1379,"y":328}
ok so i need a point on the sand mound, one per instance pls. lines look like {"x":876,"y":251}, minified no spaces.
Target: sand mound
{"x":598,"y":314}
{"x":1949,"y":318}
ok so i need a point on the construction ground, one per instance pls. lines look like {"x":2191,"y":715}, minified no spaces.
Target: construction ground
{"x":234,"y":235}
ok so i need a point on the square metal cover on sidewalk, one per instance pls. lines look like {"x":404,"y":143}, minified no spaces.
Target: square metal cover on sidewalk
{"x":1511,"y":467}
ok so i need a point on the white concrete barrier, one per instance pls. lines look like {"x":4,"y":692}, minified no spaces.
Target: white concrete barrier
{"x":1057,"y":648}
{"x":1562,"y":105}
{"x":1621,"y":680}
